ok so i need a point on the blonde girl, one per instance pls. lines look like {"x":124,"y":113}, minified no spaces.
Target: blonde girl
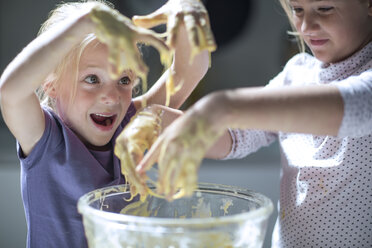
{"x":65,"y":143}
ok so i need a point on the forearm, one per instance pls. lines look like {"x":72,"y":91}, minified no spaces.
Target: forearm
{"x":314,"y":109}
{"x":185,"y":72}
{"x":30,"y":67}
{"x":19,"y":103}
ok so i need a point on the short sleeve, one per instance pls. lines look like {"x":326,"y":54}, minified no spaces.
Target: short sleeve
{"x":356,"y":92}
{"x":48,"y":140}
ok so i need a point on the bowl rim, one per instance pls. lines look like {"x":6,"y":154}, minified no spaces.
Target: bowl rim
{"x":259,"y":214}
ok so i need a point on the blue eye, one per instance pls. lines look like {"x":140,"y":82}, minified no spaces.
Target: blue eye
{"x":91,"y":79}
{"x":125,"y":80}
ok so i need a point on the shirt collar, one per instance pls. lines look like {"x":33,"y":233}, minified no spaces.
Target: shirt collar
{"x":343,"y":69}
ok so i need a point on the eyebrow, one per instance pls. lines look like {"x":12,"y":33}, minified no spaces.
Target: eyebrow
{"x":93,"y":66}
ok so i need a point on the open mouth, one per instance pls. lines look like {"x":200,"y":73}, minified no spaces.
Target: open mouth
{"x":103,"y":120}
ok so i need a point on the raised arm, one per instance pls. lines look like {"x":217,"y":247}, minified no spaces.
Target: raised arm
{"x":189,"y":35}
{"x":31,"y":67}
{"x":19,"y":104}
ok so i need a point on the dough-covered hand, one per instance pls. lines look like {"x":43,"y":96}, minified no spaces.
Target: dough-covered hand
{"x":121,"y":36}
{"x":138,"y":136}
{"x":179,"y":152}
{"x":175,"y":12}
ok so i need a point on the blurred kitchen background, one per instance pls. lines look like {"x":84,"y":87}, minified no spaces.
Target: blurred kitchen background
{"x":252,"y":48}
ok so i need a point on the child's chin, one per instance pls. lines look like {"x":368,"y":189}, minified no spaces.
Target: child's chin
{"x":100,"y":146}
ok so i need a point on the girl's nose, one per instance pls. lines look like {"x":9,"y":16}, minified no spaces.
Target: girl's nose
{"x":110,"y":95}
{"x":308,"y":23}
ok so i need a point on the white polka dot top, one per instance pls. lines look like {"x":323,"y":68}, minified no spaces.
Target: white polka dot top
{"x":326,"y":182}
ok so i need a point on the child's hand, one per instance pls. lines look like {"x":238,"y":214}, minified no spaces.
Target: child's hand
{"x":175,"y":12}
{"x":138,"y":136}
{"x":121,"y":36}
{"x":179,"y":152}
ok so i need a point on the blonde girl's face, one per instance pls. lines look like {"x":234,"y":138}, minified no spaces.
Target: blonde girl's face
{"x":100,"y":102}
{"x":333,"y":29}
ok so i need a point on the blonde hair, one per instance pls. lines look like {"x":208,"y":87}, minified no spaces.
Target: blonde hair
{"x":53,"y":80}
{"x":288,"y":11}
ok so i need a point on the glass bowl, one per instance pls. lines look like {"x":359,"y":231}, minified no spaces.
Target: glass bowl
{"x":214,"y":216}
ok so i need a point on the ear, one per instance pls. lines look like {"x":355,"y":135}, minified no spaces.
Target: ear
{"x":49,"y":89}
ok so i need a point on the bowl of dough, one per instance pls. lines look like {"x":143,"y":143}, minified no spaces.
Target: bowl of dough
{"x":214,"y":216}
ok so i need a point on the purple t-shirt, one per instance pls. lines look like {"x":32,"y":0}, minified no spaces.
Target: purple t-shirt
{"x":57,"y":172}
